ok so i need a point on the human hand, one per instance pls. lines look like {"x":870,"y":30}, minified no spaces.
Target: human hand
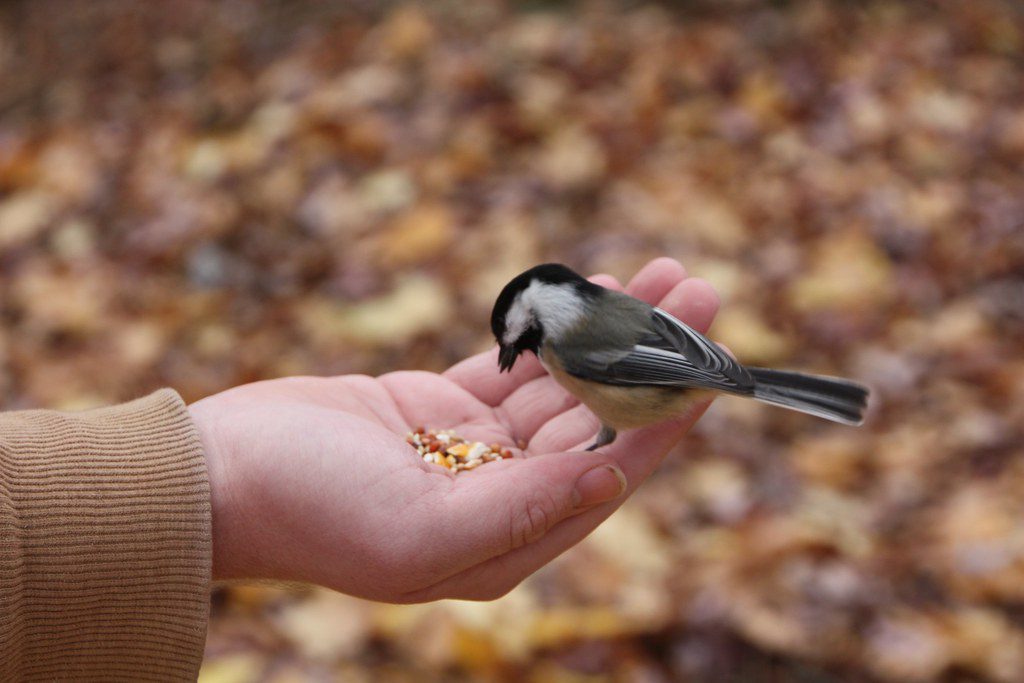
{"x":312,"y":479}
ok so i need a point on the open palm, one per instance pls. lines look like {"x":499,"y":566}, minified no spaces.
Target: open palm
{"x":313,"y":480}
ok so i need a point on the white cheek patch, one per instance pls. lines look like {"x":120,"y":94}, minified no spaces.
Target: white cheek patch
{"x":517,"y":320}
{"x":557,"y":307}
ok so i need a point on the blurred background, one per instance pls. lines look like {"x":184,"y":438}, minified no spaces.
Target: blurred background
{"x":199,"y":194}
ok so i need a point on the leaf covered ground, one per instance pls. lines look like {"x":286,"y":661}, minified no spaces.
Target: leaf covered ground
{"x":202,"y":194}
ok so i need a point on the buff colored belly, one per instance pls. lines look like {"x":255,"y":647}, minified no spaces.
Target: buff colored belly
{"x":620,"y":407}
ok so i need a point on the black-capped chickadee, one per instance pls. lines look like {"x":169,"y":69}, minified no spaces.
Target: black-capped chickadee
{"x":633,"y":364}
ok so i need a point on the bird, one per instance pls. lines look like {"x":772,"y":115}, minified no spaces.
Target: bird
{"x":633,"y":364}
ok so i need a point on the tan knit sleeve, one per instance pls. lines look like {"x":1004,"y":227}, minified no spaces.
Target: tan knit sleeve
{"x":104,"y":543}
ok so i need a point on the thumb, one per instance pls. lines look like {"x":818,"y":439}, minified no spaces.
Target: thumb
{"x":506,"y":507}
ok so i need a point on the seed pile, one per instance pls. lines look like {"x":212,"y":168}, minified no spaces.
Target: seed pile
{"x":445,"y":448}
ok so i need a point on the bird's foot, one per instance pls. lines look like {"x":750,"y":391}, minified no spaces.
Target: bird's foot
{"x":604,"y":437}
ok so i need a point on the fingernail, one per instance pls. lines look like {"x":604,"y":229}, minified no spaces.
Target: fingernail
{"x":599,"y":485}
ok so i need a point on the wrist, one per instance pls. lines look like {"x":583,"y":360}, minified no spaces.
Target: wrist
{"x":223,"y":499}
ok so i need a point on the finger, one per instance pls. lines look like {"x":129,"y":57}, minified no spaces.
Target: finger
{"x":495,"y":577}
{"x":479,"y":374}
{"x":532,"y":405}
{"x":445,"y":404}
{"x":693,"y":301}
{"x":565,"y":431}
{"x":496,"y":509}
{"x":638,"y":452}
{"x":656,"y":279}
{"x":606,"y":280}
{"x":578,"y":427}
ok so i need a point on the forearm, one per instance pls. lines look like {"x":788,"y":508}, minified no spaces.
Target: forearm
{"x":104,"y":543}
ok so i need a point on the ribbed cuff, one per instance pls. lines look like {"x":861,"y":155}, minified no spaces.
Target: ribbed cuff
{"x":104,"y":543}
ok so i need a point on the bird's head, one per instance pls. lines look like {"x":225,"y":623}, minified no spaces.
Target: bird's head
{"x":537,"y":305}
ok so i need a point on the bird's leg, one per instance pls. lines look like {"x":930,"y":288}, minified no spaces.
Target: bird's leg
{"x":604,"y":437}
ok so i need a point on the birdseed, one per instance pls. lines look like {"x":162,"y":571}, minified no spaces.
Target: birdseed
{"x":445,"y":448}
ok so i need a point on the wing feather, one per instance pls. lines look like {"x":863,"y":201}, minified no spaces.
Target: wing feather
{"x":671,"y":353}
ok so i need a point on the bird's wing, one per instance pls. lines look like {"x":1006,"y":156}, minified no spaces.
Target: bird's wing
{"x":671,"y":353}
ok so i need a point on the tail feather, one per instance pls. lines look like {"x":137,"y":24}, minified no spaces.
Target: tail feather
{"x":832,"y":398}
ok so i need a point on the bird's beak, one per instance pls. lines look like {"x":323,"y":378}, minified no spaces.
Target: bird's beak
{"x":506,"y":357}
